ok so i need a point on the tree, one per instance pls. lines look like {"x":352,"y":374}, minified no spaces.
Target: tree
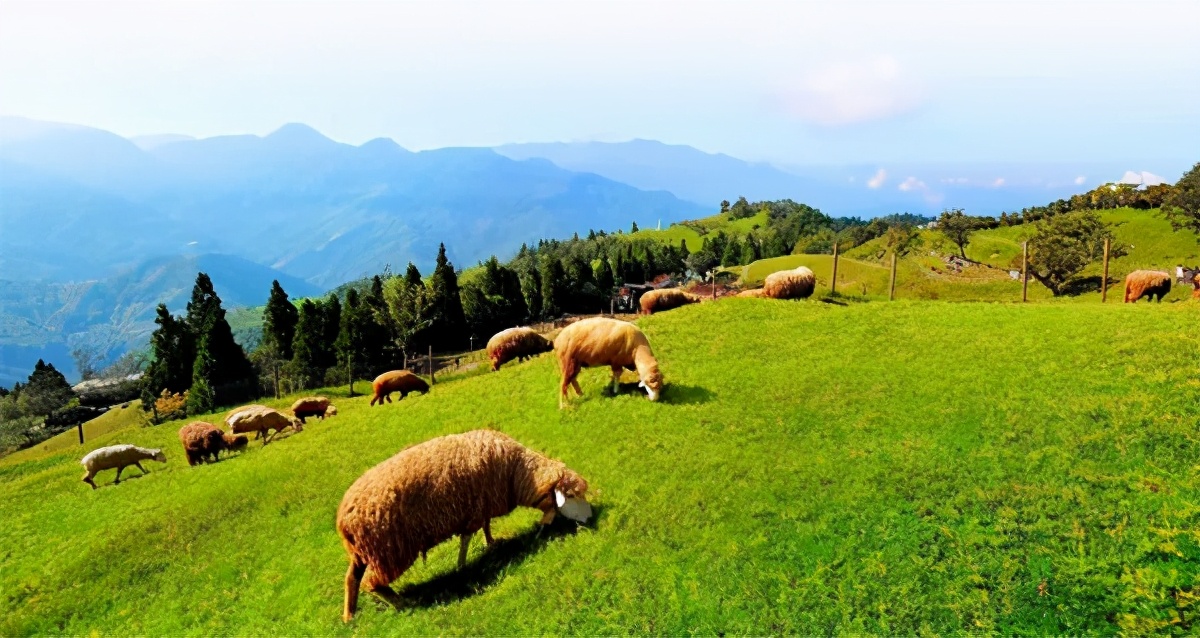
{"x":446,"y":304}
{"x":732,"y":254}
{"x":87,"y":356}
{"x":46,"y":391}
{"x":172,"y":359}
{"x":279,"y":322}
{"x":1065,"y":244}
{"x":231,"y":375}
{"x":724,"y":206}
{"x":634,"y":228}
{"x":351,"y":344}
{"x":308,"y":346}
{"x":200,"y":398}
{"x":553,"y":286}
{"x":331,"y":324}
{"x":902,"y":238}
{"x":531,"y":290}
{"x":605,"y":280}
{"x":1182,"y":205}
{"x":957,"y":227}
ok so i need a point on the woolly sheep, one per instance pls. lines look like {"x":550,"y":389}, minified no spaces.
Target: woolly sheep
{"x":516,"y":343}
{"x":261,"y":420}
{"x":401,"y":381}
{"x":1146,"y":283}
{"x":601,"y":341}
{"x":120,"y":457}
{"x":311,"y":406}
{"x":1196,"y":286}
{"x":202,"y":441}
{"x":430,"y":492}
{"x":665,"y":299}
{"x":331,"y":411}
{"x":790,"y":284}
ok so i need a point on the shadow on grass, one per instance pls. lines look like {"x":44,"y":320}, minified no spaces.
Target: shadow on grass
{"x":673,"y":393}
{"x":477,"y":576}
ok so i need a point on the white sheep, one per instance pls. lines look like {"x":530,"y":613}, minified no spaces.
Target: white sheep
{"x":120,"y":457}
{"x":601,"y":341}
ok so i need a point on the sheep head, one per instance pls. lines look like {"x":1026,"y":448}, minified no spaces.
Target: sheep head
{"x":159,"y":456}
{"x":296,"y":424}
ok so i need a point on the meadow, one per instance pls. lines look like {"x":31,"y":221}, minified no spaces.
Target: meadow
{"x":882,"y":468}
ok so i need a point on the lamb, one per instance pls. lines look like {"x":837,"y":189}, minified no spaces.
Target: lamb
{"x":331,"y":411}
{"x":665,"y":299}
{"x":312,"y":406}
{"x":401,"y":381}
{"x":1196,"y":286}
{"x":261,"y":420}
{"x":447,"y":486}
{"x":601,"y":341}
{"x":120,"y":457}
{"x":1146,"y":283}
{"x":790,"y":284}
{"x":516,"y":343}
{"x":202,"y":441}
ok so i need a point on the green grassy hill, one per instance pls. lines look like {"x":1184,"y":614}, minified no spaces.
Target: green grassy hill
{"x":813,"y":468}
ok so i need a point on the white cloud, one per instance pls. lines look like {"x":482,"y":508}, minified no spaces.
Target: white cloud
{"x":878,"y":179}
{"x":192,"y":243}
{"x":954,"y":180}
{"x":912,"y":184}
{"x":998,"y":183}
{"x":1079,"y":180}
{"x":852,"y":92}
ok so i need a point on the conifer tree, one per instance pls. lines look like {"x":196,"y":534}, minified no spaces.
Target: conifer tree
{"x":46,"y":391}
{"x":553,"y":287}
{"x":331,"y":324}
{"x":531,"y":289}
{"x":307,"y":345}
{"x":171,"y":363}
{"x":447,"y":311}
{"x":604,"y":277}
{"x":201,"y":398}
{"x":279,"y":322}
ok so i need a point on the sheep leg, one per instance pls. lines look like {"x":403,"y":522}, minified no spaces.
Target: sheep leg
{"x":87,"y":478}
{"x":464,"y":543}
{"x":616,"y":379}
{"x":138,"y":464}
{"x":487,"y":531}
{"x":118,"y":479}
{"x":575,"y":384}
{"x":353,"y":579}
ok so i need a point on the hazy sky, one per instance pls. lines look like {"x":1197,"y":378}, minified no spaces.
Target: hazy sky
{"x":798,"y":82}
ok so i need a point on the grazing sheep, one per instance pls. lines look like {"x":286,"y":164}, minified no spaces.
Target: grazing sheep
{"x":202,"y":441}
{"x":261,"y":420}
{"x":756,"y":293}
{"x":331,"y":411}
{"x":401,"y":381}
{"x":516,"y":343}
{"x":665,"y":299}
{"x":600,"y":341}
{"x":311,"y":406}
{"x":1196,"y":286}
{"x":790,"y":284}
{"x":430,"y":492}
{"x":1146,"y":283}
{"x":120,"y":457}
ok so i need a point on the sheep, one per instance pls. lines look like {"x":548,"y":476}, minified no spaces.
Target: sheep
{"x":331,"y":411}
{"x":790,"y":284}
{"x":261,"y":420}
{"x":432,"y":491}
{"x":202,"y":441}
{"x":401,"y":381}
{"x":311,"y":406}
{"x":756,"y":293}
{"x":516,"y":343}
{"x":665,"y":299}
{"x":120,"y":457}
{"x":601,"y":341}
{"x":1146,"y":283}
{"x":1196,"y":286}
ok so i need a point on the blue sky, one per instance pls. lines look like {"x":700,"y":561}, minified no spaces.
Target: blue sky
{"x":790,"y":82}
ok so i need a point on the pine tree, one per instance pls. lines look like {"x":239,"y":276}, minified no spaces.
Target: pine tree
{"x":230,"y":376}
{"x":171,"y":363}
{"x":308,"y":344}
{"x":349,"y":345}
{"x":200,"y":398}
{"x":279,"y":322}
{"x":46,"y":390}
{"x":531,"y":289}
{"x":331,"y":324}
{"x":447,"y":312}
{"x":732,"y":253}
{"x":683,"y":249}
{"x":603,"y":275}
{"x":634,"y":229}
{"x":553,"y":287}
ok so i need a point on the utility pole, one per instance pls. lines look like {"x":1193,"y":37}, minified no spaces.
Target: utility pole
{"x":892,"y":285}
{"x":833,"y":279}
{"x":1024,"y":271}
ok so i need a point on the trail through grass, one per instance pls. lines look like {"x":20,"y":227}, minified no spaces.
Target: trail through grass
{"x":812,"y":468}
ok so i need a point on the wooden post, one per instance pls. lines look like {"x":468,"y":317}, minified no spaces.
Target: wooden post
{"x":431,"y":381}
{"x":79,"y":426}
{"x":612,"y":307}
{"x":1104,"y":281}
{"x":1024,"y":271}
{"x":276,"y":379}
{"x":833,"y":279}
{"x":892,"y":285}
{"x":350,"y":372}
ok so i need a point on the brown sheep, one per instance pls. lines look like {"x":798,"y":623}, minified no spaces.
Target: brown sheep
{"x":202,"y":441}
{"x":790,"y":284}
{"x":1196,"y":286}
{"x":756,"y":293}
{"x":601,"y":341}
{"x":665,"y":299}
{"x":1146,"y":283}
{"x":261,"y":420}
{"x":430,"y":492}
{"x":401,"y":381}
{"x":516,"y":343}
{"x":311,"y":406}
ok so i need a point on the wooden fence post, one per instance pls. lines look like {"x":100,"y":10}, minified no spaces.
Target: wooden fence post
{"x":431,"y":381}
{"x":350,"y":371}
{"x":892,"y":285}
{"x":1024,"y":271}
{"x":833,"y":279}
{"x":79,"y":426}
{"x":1104,"y":281}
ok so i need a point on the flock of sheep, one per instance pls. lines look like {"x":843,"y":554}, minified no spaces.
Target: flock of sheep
{"x":454,"y":485}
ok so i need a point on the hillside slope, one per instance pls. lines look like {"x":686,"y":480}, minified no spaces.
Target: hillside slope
{"x":875,"y":468}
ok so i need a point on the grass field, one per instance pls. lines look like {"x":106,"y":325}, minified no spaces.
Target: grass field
{"x":111,"y":421}
{"x":813,"y":468}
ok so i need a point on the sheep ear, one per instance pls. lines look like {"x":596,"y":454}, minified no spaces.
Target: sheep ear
{"x":641,"y":384}
{"x":559,"y":499}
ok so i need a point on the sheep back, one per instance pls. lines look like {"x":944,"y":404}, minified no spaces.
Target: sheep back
{"x":514,"y":343}
{"x":597,"y":341}
{"x":790,"y":284}
{"x":201,"y":440}
{"x":432,"y":491}
{"x":259,"y":418}
{"x":665,"y":299}
{"x":310,"y":406}
{"x":120,"y":455}
{"x":1146,"y":283}
{"x":401,"y":381}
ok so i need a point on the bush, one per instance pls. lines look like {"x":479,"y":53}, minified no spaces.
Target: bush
{"x":170,"y":406}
